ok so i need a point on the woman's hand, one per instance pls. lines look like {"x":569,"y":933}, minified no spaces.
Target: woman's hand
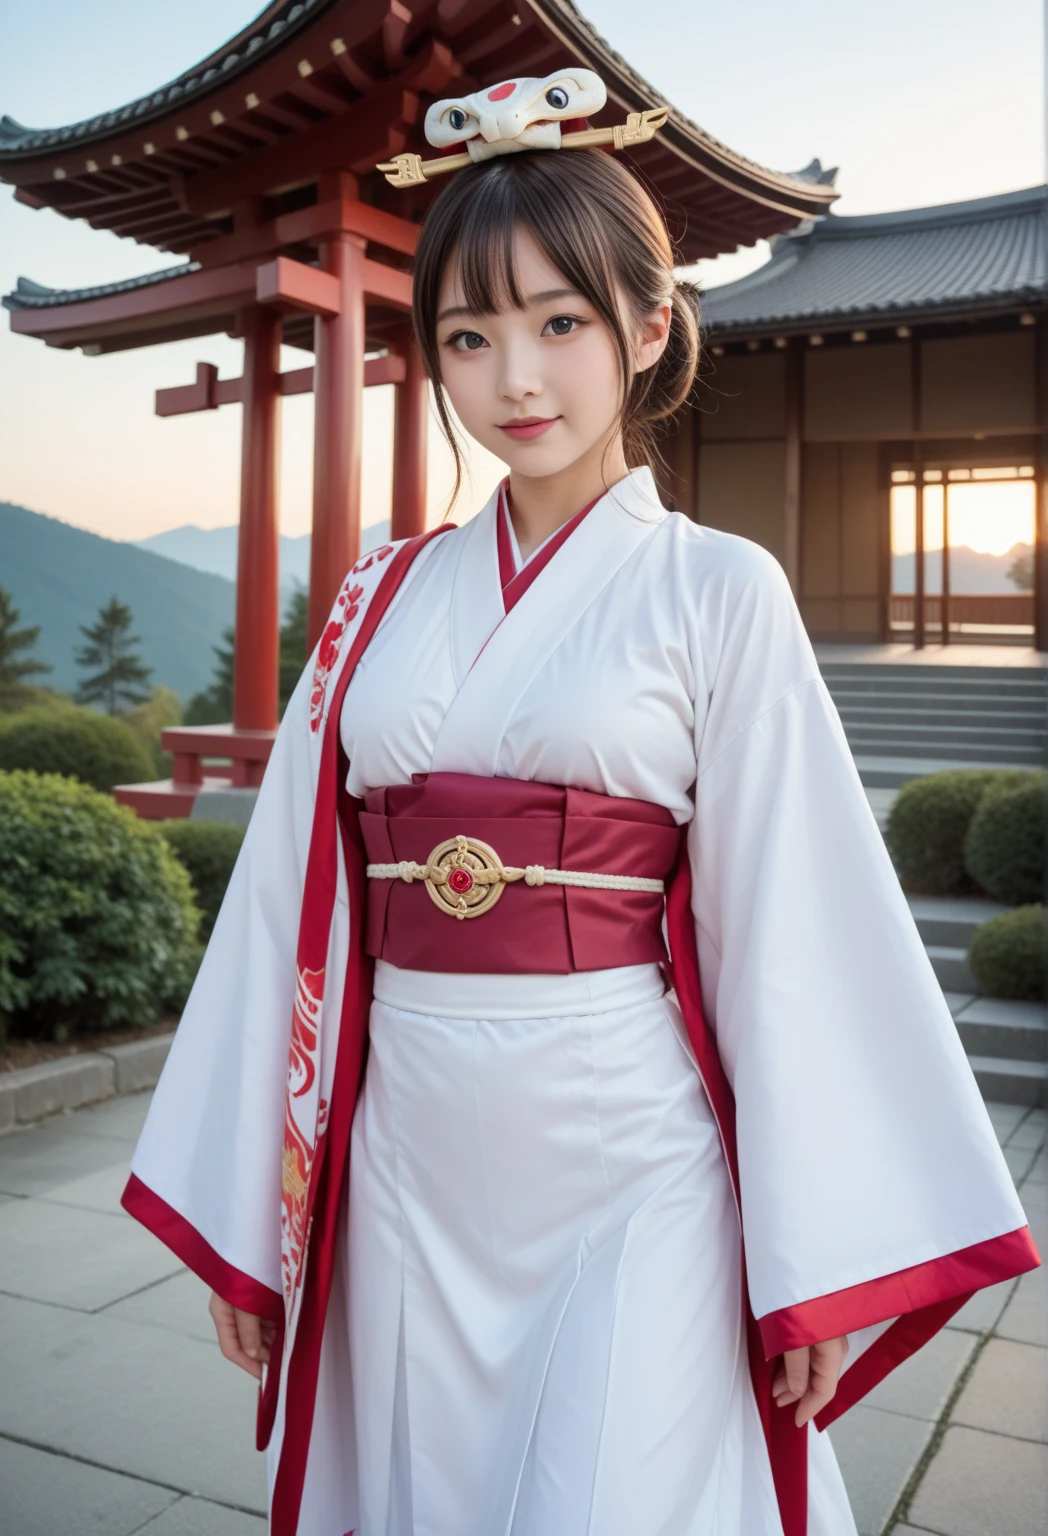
{"x":808,"y":1377}
{"x":242,"y":1337}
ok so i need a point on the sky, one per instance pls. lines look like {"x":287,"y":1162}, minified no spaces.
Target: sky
{"x":916,"y":101}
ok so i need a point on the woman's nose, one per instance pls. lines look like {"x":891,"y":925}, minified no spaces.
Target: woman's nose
{"x":518,"y":376}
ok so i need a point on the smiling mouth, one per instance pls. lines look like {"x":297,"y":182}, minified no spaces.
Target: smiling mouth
{"x":525,"y":427}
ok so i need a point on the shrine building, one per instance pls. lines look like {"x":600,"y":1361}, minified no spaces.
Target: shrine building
{"x":255,"y":169}
{"x":867,"y":392}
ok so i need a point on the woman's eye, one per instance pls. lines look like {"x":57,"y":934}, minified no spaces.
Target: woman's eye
{"x":561,"y":325}
{"x":467,"y":341}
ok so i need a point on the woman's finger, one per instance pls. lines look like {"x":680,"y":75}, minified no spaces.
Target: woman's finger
{"x":224,"y":1319}
{"x":249,"y":1328}
{"x":826,"y":1361}
{"x":796,"y":1367}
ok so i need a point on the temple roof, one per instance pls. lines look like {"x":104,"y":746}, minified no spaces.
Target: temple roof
{"x":339,"y":84}
{"x":954,"y":260}
{"x":30,"y":295}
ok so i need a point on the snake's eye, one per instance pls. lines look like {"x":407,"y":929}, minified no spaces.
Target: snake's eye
{"x":557,"y":97}
{"x":457,"y":118}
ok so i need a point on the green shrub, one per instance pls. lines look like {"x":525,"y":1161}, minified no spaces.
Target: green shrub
{"x":97,"y":922}
{"x":1005,"y":848}
{"x":928,"y":823}
{"x":77,"y":743}
{"x":208,"y":849}
{"x":1008,"y":955}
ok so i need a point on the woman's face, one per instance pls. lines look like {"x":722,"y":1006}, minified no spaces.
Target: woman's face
{"x":539,"y":386}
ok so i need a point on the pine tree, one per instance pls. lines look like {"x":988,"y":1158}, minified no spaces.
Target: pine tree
{"x":15,"y":665}
{"x":293,"y":649}
{"x":214,"y":705}
{"x":121,"y":679}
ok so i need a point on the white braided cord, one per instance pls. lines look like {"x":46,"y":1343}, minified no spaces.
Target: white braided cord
{"x":531,"y":874}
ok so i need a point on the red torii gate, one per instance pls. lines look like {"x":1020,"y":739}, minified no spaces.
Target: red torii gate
{"x":258,"y":165}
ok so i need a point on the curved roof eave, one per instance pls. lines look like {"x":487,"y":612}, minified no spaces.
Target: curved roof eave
{"x":270,"y":29}
{"x":792,"y":197}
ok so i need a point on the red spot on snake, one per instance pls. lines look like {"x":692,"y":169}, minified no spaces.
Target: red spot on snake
{"x":500,"y":92}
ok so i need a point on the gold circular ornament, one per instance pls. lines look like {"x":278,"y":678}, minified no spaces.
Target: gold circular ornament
{"x":464,"y":876}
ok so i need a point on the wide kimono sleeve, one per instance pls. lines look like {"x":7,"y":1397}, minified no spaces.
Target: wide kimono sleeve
{"x":873,"y":1192}
{"x":206,"y":1175}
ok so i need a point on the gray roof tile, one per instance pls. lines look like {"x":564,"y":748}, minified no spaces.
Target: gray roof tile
{"x":958,"y":258}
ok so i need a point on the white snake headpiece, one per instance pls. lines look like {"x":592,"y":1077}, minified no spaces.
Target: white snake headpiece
{"x":516,"y":115}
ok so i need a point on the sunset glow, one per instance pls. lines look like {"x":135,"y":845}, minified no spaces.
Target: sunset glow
{"x":989,"y":518}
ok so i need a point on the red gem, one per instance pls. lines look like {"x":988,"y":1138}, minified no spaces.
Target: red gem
{"x":460,"y":881}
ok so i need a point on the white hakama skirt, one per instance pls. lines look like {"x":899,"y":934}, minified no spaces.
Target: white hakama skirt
{"x":545,"y":1321}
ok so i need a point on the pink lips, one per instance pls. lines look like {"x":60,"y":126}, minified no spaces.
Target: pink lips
{"x":528,"y":427}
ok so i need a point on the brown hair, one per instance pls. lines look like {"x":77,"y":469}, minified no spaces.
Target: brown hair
{"x":600,"y":229}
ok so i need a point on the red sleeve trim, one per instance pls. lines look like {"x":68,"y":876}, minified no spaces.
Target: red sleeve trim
{"x":922,"y":1300}
{"x":908,"y":1290}
{"x":185,"y":1242}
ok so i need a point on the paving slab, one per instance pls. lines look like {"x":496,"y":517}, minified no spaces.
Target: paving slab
{"x":178,"y":1305}
{"x":981,"y":1313}
{"x":120,"y":1119}
{"x":1025,"y":1319}
{"x":1028,"y":1135}
{"x":877,"y":1452}
{"x":981,"y":1484}
{"x":76,"y":1258}
{"x":1006,"y":1392}
{"x":131,"y":1398}
{"x":43,"y":1494}
{"x":200,"y":1517}
{"x":1020,"y":1161}
{"x":36,"y":1158}
{"x":99,"y":1191}
{"x":1006,"y":1118}
{"x":920,"y":1386}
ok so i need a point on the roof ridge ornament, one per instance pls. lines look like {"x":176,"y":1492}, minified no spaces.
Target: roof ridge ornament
{"x":519,"y":115}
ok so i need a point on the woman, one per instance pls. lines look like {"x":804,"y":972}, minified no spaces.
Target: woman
{"x":517,"y":1302}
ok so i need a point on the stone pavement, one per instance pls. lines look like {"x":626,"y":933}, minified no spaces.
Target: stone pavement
{"x":120,"y":1417}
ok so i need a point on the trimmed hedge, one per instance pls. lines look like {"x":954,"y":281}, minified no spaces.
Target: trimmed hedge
{"x":1008,"y":955}
{"x":97,"y":922}
{"x":1005,"y":847}
{"x":928,"y":823}
{"x":77,"y":743}
{"x":208,"y":849}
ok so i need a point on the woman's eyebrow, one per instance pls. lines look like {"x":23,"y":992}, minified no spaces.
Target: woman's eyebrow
{"x":534,"y":298}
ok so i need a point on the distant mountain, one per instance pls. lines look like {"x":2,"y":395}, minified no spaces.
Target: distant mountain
{"x":970,"y":571}
{"x":215,"y":550}
{"x":59,"y":577}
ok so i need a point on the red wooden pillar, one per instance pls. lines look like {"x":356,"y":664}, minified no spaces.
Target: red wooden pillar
{"x":338,"y":431}
{"x":410,"y":436}
{"x":256,"y":649}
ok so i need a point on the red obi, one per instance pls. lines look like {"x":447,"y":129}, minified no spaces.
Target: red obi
{"x":542,"y":928}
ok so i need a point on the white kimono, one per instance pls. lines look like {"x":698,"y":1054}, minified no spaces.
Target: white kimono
{"x":537,"y":1324}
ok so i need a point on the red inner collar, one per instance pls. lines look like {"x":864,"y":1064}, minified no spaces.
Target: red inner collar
{"x":515,"y":583}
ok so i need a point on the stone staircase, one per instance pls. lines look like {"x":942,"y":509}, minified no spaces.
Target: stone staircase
{"x":1006,"y":1042}
{"x":903,"y":721}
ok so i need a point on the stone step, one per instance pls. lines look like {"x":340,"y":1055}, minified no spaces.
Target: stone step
{"x":890,"y":770}
{"x":919,"y":729}
{"x":951,"y":920}
{"x":1011,"y":1082}
{"x":940,"y":754}
{"x":994,"y":1027}
{"x":950,"y":964}
{"x":1004,"y":713}
{"x":1035,"y":676}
